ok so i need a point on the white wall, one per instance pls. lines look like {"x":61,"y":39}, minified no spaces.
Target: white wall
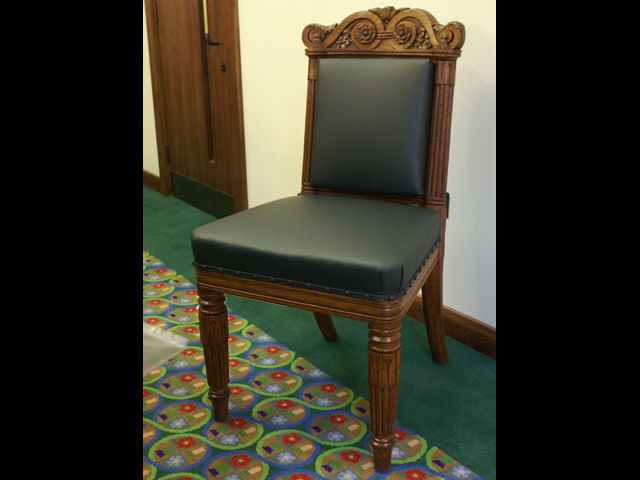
{"x":274,"y":77}
{"x":149,"y":145}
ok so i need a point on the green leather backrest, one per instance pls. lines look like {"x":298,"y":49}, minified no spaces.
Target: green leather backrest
{"x":371,"y":125}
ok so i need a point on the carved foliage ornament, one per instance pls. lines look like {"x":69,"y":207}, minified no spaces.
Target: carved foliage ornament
{"x":385,"y":29}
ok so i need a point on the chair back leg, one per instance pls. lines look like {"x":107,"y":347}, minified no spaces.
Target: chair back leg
{"x":432,"y":304}
{"x":384,"y":375}
{"x":214,"y":333}
{"x":325,"y":324}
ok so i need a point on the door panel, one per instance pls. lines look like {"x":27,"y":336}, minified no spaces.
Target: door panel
{"x":204,"y":129}
{"x":184,"y":84}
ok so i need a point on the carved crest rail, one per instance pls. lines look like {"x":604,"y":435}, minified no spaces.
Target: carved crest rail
{"x":381,"y":30}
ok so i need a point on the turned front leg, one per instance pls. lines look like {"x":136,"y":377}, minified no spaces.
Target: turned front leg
{"x":384,"y":375}
{"x":214,"y":333}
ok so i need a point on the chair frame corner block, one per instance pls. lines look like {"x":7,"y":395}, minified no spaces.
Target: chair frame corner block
{"x":379,"y":32}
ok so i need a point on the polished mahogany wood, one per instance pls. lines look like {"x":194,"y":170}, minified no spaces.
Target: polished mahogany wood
{"x":385,"y":32}
{"x":325,"y":324}
{"x":432,"y":304}
{"x":214,"y":333}
{"x":384,"y":378}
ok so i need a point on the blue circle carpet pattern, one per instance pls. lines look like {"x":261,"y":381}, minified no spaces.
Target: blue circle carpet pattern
{"x":288,"y":420}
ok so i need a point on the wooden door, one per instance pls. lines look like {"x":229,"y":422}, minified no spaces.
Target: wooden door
{"x":197,"y":85}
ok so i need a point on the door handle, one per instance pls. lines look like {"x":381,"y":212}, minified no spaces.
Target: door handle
{"x":206,"y":25}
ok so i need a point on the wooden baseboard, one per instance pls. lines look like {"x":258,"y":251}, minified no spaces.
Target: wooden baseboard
{"x":151,"y":180}
{"x":467,"y":330}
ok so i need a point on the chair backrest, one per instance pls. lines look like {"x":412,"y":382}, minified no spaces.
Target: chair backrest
{"x":379,"y":106}
{"x":370,"y":125}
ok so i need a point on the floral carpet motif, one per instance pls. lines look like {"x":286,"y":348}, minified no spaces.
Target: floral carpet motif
{"x":288,"y":419}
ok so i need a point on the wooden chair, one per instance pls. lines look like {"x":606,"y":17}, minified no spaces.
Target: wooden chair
{"x":366,"y":233}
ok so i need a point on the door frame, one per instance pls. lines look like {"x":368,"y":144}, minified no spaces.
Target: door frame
{"x":224,"y":27}
{"x":157,"y":86}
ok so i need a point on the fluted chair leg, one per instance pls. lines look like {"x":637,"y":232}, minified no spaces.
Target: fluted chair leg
{"x":432,"y":304}
{"x":384,"y":376}
{"x":325,"y":324}
{"x":214,"y":332}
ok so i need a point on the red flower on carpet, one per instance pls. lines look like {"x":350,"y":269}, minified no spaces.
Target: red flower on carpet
{"x":415,"y":475}
{"x":400,"y":435}
{"x":351,"y":456}
{"x":338,"y":419}
{"x":158,"y":285}
{"x":188,"y":352}
{"x":291,"y":439}
{"x":328,"y":387}
{"x":284,"y":404}
{"x":145,"y":393}
{"x":155,"y":302}
{"x":186,"y":442}
{"x":187,"y":407}
{"x":190,"y":329}
{"x":236,"y":390}
{"x":153,"y":320}
{"x":240,"y":460}
{"x":190,"y":310}
{"x":232,"y":338}
{"x":272,"y":349}
{"x":301,"y":476}
{"x":231,"y":318}
{"x":233,"y":362}
{"x":237,"y":423}
{"x":161,"y":270}
{"x":191,"y":292}
{"x":278,"y":375}
{"x":188,"y":377}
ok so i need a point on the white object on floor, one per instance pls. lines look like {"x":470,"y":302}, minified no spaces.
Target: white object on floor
{"x":158,"y":346}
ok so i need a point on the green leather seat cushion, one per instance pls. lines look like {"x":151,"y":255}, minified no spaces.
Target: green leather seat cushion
{"x":346,"y":245}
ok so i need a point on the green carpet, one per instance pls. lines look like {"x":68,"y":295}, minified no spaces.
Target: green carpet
{"x":453,"y":406}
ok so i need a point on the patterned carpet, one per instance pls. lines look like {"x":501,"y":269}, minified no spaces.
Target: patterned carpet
{"x":288,"y":419}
